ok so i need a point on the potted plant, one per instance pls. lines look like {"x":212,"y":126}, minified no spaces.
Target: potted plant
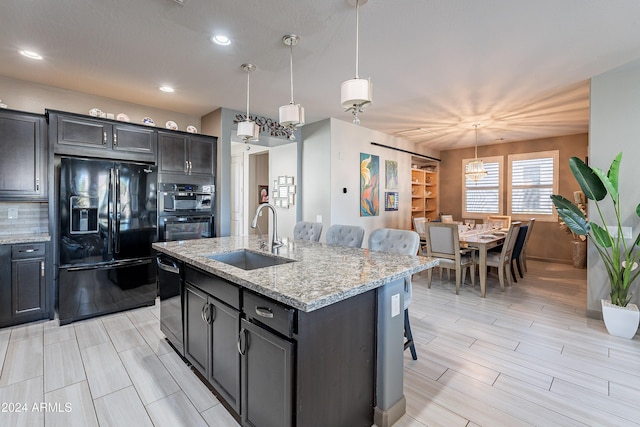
{"x":578,"y":242}
{"x":619,"y":257}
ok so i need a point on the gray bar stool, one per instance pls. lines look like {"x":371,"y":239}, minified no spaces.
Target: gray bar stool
{"x":345,"y":235}
{"x":305,"y":230}
{"x":401,"y":242}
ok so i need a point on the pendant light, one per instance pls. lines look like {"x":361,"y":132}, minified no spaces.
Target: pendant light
{"x":356,"y":93}
{"x":475,"y":168}
{"x":292,"y":114}
{"x":248,"y":129}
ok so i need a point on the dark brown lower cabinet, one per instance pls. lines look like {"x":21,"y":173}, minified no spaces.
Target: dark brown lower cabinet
{"x":267,"y":377}
{"x":211,"y":333}
{"x":276,"y":366}
{"x":24,"y":295}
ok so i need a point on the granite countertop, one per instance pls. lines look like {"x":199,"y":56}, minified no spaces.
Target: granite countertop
{"x":10,"y":239}
{"x":322,"y":274}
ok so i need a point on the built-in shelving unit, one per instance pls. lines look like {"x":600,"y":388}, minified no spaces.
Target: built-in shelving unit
{"x":424,"y":191}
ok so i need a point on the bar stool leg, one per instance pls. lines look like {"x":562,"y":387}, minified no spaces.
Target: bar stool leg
{"x":407,"y":333}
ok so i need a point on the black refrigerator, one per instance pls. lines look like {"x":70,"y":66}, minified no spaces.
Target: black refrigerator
{"x":108,"y":220}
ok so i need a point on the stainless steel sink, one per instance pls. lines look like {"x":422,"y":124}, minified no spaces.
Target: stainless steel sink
{"x":248,"y":260}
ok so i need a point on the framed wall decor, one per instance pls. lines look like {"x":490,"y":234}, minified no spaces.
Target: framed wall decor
{"x":391,"y":174}
{"x":263,"y":194}
{"x":369,"y":183}
{"x":391,"y":201}
{"x":284,"y":191}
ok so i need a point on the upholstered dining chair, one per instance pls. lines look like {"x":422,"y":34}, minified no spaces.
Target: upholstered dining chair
{"x":502,"y":259}
{"x":345,"y":235}
{"x":443,"y":243}
{"x":418,"y":226}
{"x":447,"y":219}
{"x":522,"y":259}
{"x":305,"y":230}
{"x":503,"y":220}
{"x":517,"y":251}
{"x":401,"y":242}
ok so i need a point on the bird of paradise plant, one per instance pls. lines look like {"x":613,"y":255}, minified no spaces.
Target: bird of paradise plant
{"x":620,"y":258}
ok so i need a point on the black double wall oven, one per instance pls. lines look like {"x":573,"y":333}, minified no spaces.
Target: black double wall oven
{"x":185,"y":212}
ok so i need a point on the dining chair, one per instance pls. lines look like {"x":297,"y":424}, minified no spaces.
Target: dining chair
{"x":305,"y":230}
{"x":502,"y":259}
{"x":522,"y":260}
{"x":418,"y":226}
{"x":401,"y":242}
{"x":517,"y":251}
{"x":345,"y":235}
{"x":443,"y":243}
{"x":447,"y":219}
{"x":504,"y":220}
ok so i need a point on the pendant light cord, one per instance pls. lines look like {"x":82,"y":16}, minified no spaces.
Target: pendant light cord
{"x":357,"y":35}
{"x":248,"y":81}
{"x":291,"y":68}
{"x":476,"y":126}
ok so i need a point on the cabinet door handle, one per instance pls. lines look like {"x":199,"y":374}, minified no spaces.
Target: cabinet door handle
{"x":190,"y":167}
{"x":28,"y":251}
{"x":212,"y":313}
{"x":242,"y":344}
{"x":115,"y":139}
{"x":264,"y":312}
{"x":202,"y":313}
{"x":42,"y":268}
{"x":186,"y":167}
{"x":37,"y":184}
{"x":104,"y":138}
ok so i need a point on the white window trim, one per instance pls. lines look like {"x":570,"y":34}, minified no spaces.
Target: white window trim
{"x":553,"y":217}
{"x":475,"y":215}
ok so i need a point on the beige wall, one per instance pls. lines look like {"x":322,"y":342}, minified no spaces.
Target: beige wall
{"x":547,"y":241}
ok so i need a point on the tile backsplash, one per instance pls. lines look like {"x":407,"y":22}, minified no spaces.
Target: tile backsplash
{"x":25,"y":218}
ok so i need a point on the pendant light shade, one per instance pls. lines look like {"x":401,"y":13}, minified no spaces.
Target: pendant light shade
{"x":475,"y":169}
{"x":292,"y":114}
{"x":248,"y":130}
{"x":357,"y":92}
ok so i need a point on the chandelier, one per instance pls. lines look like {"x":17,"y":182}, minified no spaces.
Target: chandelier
{"x":475,"y":169}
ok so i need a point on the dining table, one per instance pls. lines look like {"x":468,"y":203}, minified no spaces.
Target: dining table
{"x":482,"y":241}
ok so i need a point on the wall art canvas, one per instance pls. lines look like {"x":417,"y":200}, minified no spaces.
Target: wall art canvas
{"x":391,"y":201}
{"x":369,"y":183}
{"x":391,"y":174}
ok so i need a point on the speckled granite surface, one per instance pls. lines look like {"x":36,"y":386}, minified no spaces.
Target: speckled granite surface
{"x":11,"y":239}
{"x":321,"y":275}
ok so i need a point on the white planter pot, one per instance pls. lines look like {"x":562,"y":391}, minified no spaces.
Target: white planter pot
{"x":620,"y":321}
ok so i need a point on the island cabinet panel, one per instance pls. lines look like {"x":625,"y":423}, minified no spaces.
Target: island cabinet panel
{"x":23,"y":162}
{"x":196,"y":343}
{"x":267,"y":377}
{"x":274,"y":365}
{"x":212,"y":324}
{"x":336,"y":367}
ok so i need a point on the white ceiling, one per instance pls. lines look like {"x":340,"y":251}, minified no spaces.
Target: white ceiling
{"x":519,"y":68}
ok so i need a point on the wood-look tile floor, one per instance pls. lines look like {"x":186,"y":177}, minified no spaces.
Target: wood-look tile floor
{"x":526,"y":356}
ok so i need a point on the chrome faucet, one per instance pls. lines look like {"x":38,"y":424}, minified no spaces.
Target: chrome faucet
{"x":275,"y":242}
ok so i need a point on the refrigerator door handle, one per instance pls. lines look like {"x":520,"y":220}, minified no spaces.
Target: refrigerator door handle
{"x":109,"y":213}
{"x":116,"y":208}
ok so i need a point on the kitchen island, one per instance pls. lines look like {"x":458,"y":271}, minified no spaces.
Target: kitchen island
{"x":314,"y":340}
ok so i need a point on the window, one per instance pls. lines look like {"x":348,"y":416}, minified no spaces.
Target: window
{"x":533,"y":178}
{"x":484,"y":197}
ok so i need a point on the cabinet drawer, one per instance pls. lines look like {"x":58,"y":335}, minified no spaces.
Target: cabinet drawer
{"x":276,"y":316}
{"x":28,"y":250}
{"x":217,"y":287}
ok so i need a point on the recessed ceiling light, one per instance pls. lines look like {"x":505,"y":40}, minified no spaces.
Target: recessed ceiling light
{"x":220,"y":39}
{"x":166,"y":89}
{"x":30,"y":54}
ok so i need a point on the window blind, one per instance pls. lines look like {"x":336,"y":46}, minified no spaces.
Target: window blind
{"x":532,"y":185}
{"x":483,"y":196}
